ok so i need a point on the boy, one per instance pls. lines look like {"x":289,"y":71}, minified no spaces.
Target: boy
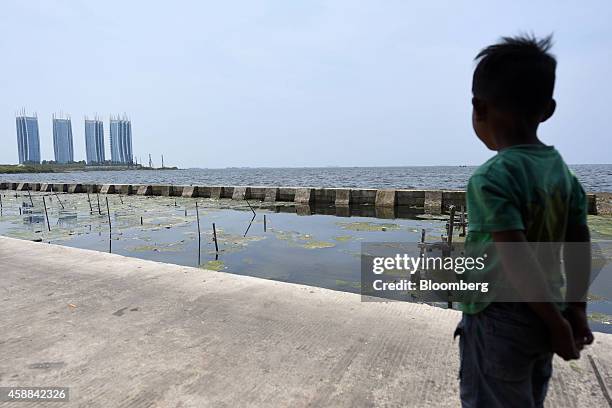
{"x":524,"y":194}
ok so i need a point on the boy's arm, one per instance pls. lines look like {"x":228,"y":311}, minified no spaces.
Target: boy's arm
{"x":526,"y":276}
{"x":577,"y":261}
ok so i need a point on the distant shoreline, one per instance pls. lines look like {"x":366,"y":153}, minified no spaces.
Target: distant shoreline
{"x":70,"y":168}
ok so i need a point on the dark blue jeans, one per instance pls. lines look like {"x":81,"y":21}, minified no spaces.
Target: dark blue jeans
{"x":505,"y":357}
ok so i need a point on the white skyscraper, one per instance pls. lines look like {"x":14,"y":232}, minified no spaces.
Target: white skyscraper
{"x":28,"y":142}
{"x":121,"y":140}
{"x":62,"y":140}
{"x":94,"y":141}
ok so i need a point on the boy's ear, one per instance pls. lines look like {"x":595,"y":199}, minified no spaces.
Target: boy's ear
{"x":480,"y":109}
{"x":549,"y":111}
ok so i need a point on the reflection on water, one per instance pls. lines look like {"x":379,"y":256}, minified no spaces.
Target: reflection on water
{"x":312,"y":245}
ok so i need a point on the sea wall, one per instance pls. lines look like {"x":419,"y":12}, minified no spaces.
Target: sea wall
{"x":432,"y":201}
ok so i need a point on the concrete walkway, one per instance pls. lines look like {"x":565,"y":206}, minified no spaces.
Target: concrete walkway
{"x":123,"y":332}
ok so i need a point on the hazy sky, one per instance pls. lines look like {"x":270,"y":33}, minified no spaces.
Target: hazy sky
{"x":293,"y":83}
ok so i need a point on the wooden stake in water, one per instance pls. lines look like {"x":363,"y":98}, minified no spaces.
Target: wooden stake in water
{"x":30,"y":197}
{"x":249,"y":204}
{"x":449,"y":242}
{"x":99,"y":211}
{"x":46,"y":215}
{"x":451,"y":227}
{"x":89,"y":201}
{"x":264,"y":222}
{"x":249,"y":227}
{"x":199,"y":234}
{"x":0,"y":205}
{"x":198,"y":219}
{"x":215,"y":238}
{"x":110,"y":227}
{"x":60,"y":201}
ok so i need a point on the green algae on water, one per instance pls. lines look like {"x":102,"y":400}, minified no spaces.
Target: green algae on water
{"x":344,"y":283}
{"x":174,"y":247}
{"x":591,"y":297}
{"x":368,"y":226}
{"x":216,"y":265}
{"x":318,"y":245}
{"x":600,"y":317}
{"x":601,"y":226}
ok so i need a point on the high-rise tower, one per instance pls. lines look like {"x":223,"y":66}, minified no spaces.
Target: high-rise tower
{"x":94,"y":141}
{"x":62,"y":140}
{"x":121,"y":140}
{"x":28,"y":142}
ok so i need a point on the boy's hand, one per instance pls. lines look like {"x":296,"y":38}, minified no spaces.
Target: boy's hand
{"x":562,"y":340}
{"x":576,"y":315}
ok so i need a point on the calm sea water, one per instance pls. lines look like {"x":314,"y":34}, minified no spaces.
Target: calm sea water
{"x":594,"y":177}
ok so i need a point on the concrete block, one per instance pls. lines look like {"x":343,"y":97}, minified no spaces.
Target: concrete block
{"x":157,"y":190}
{"x":204,"y":191}
{"x":23,"y":187}
{"x":272,"y":194}
{"x":433,"y":202}
{"x":35,"y":186}
{"x":386,"y":198}
{"x":343,"y":197}
{"x":145,"y":190}
{"x":166,"y":190}
{"x":3,"y":186}
{"x":60,"y":187}
{"x":216,"y":192}
{"x":304,"y":195}
{"x":286,"y":194}
{"x":125,"y":189}
{"x":190,"y":191}
{"x":176,"y":191}
{"x":363,"y":196}
{"x":12,"y":186}
{"x":600,"y":203}
{"x":241,"y":193}
{"x":107,"y":189}
{"x":227,"y":192}
{"x":453,"y":197}
{"x":76,"y":188}
{"x":325,"y":195}
{"x":410,"y":198}
{"x":92,"y":188}
{"x":258,"y":193}
{"x":46,"y":187}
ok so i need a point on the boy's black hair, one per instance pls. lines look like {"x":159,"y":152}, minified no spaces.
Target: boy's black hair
{"x":516,"y":74}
